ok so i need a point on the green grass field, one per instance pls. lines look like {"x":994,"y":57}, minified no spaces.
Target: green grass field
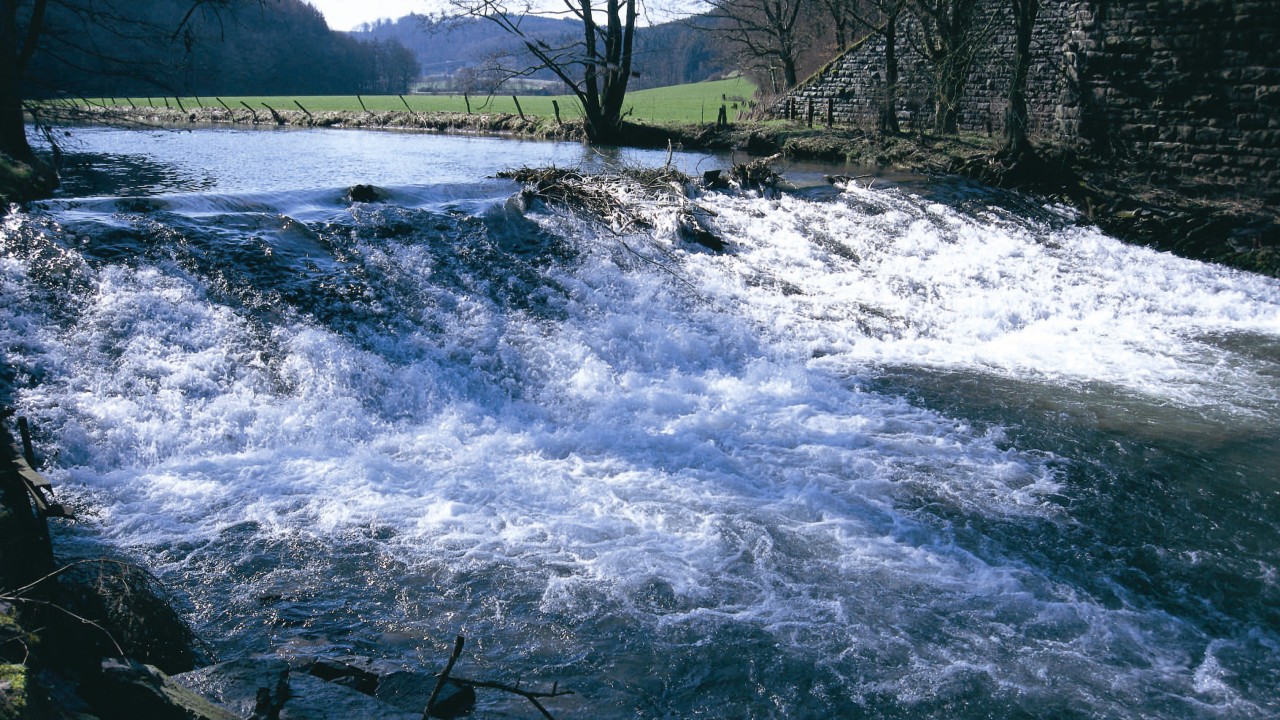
{"x":693,"y":103}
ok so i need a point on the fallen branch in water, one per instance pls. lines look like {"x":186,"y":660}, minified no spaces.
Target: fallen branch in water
{"x":454,"y":708}
{"x":617,"y":199}
{"x":531,"y":696}
{"x":757,"y":174}
{"x":626,"y":201}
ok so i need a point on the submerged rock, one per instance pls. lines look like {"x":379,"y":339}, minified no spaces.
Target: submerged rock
{"x":693,"y":230}
{"x":367,"y":194}
{"x":251,"y":687}
{"x":311,"y":698}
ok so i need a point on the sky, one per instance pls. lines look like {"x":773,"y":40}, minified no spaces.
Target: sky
{"x":347,"y":14}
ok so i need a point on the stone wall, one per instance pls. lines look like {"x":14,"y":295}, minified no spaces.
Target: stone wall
{"x":1186,"y":90}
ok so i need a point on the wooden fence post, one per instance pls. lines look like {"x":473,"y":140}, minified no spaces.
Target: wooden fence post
{"x":518,"y":109}
{"x":275,"y":115}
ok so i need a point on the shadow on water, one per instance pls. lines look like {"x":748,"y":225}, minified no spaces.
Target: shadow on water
{"x":86,"y":174}
{"x":1167,"y":508}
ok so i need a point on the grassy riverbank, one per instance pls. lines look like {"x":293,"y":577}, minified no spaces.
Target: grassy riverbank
{"x":692,"y":103}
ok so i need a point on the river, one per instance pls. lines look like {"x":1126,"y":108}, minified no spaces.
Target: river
{"x":922,"y":450}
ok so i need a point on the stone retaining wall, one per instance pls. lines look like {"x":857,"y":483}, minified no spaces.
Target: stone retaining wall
{"x":1187,"y":90}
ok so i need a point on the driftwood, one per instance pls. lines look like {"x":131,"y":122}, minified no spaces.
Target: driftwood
{"x":757,"y":174}
{"x":626,"y":202}
{"x":437,"y":710}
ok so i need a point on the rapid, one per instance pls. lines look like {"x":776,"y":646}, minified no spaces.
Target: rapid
{"x":919,"y":450}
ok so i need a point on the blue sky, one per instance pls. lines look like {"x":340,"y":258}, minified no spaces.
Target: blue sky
{"x":347,"y":14}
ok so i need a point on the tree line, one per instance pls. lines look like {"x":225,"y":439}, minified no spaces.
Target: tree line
{"x":194,"y":47}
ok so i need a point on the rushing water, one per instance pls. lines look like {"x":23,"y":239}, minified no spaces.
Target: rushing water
{"x":904,"y":452}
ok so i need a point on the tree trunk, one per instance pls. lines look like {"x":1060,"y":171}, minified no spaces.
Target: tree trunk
{"x":889,"y":102}
{"x":13,"y":132}
{"x":789,"y":78}
{"x":946,"y":115}
{"x":1016,"y":143}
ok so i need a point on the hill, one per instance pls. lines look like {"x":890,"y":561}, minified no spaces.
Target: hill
{"x":454,"y":53}
{"x":283,"y":46}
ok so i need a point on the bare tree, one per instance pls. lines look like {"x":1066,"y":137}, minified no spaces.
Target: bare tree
{"x":595,"y":67}
{"x":841,"y":17}
{"x":949,"y":34}
{"x":768,"y":34}
{"x":880,"y":17}
{"x":1016,"y":144}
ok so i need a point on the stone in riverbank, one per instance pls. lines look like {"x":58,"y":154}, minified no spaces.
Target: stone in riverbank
{"x":20,"y":182}
{"x":266,"y":687}
{"x":57,"y":625}
{"x":125,"y":689}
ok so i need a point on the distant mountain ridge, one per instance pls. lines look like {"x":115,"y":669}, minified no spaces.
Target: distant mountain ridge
{"x":671,"y":53}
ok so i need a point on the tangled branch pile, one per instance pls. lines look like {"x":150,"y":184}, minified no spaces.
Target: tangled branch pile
{"x":629,"y":200}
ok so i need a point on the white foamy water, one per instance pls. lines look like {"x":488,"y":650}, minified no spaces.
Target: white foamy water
{"x":683,"y":483}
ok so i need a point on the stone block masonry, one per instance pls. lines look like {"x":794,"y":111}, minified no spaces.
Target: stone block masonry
{"x":1187,"y":91}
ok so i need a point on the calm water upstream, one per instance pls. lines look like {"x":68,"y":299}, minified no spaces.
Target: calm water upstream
{"x":913,"y":452}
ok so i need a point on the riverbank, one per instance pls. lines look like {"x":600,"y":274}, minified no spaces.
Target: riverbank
{"x":1136,"y":204}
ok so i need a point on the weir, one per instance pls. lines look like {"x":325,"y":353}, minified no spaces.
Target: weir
{"x":921,"y":450}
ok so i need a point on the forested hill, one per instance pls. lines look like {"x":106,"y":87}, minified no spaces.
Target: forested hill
{"x":668,"y":54}
{"x":250,"y":48}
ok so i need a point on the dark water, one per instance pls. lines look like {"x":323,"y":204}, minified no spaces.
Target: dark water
{"x":915,"y":452}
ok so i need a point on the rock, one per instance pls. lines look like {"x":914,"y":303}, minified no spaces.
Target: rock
{"x":694,"y":231}
{"x":354,"y":672}
{"x":126,"y":690}
{"x":453,"y":701}
{"x":130,"y":606}
{"x":715,"y":180}
{"x":13,"y":691}
{"x":251,"y":687}
{"x":409,"y":691}
{"x":22,"y":181}
{"x":366,"y":194}
{"x":311,"y":698}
